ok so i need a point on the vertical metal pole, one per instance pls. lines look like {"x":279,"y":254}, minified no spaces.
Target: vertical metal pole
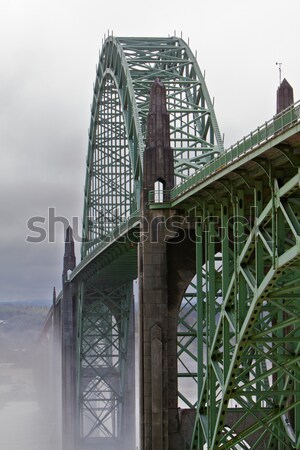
{"x":259,"y":267}
{"x":241,"y":236}
{"x":278,"y":248}
{"x":211,"y":319}
{"x":258,"y":243}
{"x":225,"y":281}
{"x":200,"y":319}
{"x":235,"y":263}
{"x":296,"y":420}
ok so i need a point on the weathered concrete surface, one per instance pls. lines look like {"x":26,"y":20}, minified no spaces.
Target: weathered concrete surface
{"x":69,"y":338}
{"x":166,"y":267}
{"x":129,"y":426}
{"x":158,"y":155}
{"x":285,"y":96}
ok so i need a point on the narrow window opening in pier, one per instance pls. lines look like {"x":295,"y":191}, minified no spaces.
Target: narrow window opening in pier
{"x":159,"y":188}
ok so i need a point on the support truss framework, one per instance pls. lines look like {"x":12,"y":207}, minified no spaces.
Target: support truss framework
{"x":105,"y":321}
{"x":187,"y":349}
{"x":248,"y":264}
{"x":238,"y":341}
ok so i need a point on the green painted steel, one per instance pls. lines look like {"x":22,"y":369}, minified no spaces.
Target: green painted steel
{"x":239,"y":322}
{"x":127,"y":68}
{"x":248,"y":283}
{"x":105,"y":318}
{"x":249,"y":395}
{"x":187,"y":349}
{"x":267,"y":131}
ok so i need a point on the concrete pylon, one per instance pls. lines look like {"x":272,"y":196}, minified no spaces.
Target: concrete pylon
{"x":158,"y":155}
{"x":68,"y":350}
{"x":285,"y":96}
{"x":56,"y":323}
{"x":129,"y":430}
{"x":56,"y":397}
{"x":162,"y":285}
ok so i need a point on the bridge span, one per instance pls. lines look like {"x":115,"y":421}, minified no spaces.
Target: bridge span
{"x":204,"y":354}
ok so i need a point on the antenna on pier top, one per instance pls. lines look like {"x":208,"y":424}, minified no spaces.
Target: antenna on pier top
{"x":279,"y":64}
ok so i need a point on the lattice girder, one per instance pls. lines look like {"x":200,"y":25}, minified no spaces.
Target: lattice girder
{"x":250,"y":393}
{"x":127,"y":68}
{"x":104,"y":332}
{"x":187,"y":348}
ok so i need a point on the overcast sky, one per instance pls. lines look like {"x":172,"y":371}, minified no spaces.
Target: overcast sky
{"x":48,"y":53}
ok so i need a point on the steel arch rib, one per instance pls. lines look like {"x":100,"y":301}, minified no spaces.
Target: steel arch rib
{"x":132,"y":64}
{"x":127,"y":68}
{"x":123,"y":82}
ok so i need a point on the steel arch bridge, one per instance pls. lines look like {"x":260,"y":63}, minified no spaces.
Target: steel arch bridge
{"x":126,"y":70}
{"x":232,"y":286}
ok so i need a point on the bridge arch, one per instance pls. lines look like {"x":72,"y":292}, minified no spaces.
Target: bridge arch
{"x":248,"y":315}
{"x":114,"y":179}
{"x":248,"y":320}
{"x":127,"y":68}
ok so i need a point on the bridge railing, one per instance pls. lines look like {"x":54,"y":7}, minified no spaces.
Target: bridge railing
{"x":159,"y":196}
{"x":261,"y":135}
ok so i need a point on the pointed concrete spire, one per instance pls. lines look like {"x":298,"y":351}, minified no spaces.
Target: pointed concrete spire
{"x":54,"y":296}
{"x":69,"y":256}
{"x":158,"y":155}
{"x":285,"y":96}
{"x":158,"y":97}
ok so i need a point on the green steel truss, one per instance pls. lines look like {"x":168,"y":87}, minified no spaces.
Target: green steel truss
{"x":127,"y":68}
{"x":105,"y":320}
{"x":248,"y":272}
{"x":187,"y":356}
{"x":239,"y":322}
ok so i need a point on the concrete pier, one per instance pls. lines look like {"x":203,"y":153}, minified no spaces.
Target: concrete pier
{"x":69,"y":340}
{"x":164,"y":274}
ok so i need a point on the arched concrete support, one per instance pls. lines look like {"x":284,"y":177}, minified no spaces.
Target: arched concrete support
{"x":166,"y":268}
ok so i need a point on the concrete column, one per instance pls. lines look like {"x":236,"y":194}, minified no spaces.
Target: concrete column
{"x":56,"y":392}
{"x":129,"y":393}
{"x":69,"y":337}
{"x":166,"y":267}
{"x":154,"y":318}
